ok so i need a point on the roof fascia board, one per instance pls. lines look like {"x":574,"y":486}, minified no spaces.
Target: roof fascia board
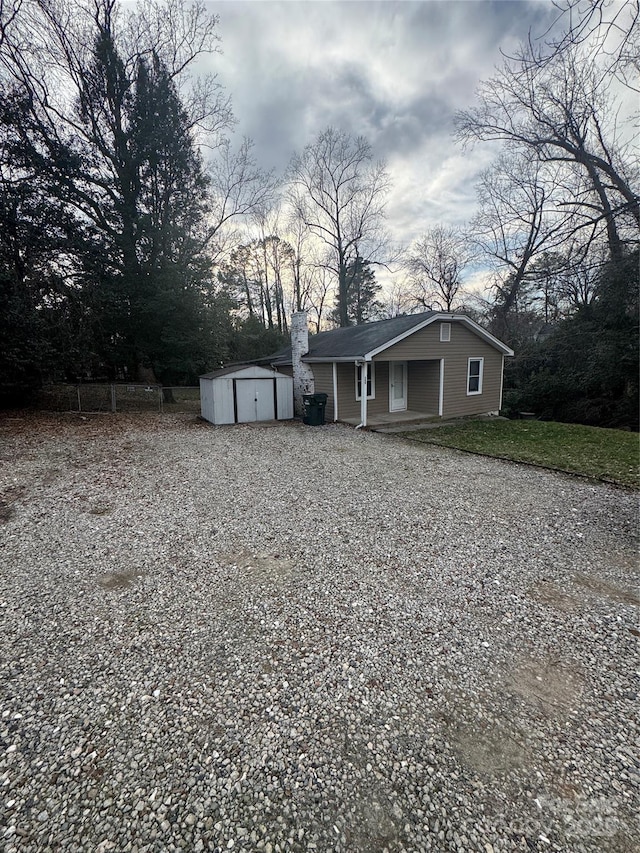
{"x":330,"y":358}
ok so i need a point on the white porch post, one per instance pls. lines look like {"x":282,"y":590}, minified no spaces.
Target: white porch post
{"x":364,"y":371}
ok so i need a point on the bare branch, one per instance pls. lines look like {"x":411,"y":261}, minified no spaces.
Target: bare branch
{"x":560,"y":113}
{"x":436,"y":262}
{"x":340,"y":196}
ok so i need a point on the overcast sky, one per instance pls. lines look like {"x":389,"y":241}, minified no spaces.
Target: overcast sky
{"x":392,"y":71}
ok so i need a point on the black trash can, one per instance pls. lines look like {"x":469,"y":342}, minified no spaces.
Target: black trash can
{"x":314,"y":406}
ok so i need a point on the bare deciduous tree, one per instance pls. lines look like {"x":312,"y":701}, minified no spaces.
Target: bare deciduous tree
{"x":319,"y":285}
{"x":579,"y":279}
{"x":302,"y":274}
{"x":436,"y":262}
{"x":396,"y":300}
{"x":561,"y":113}
{"x":238,"y":186}
{"x":608,"y":32}
{"x":9,"y":9}
{"x":516,"y":223}
{"x":340,"y":195}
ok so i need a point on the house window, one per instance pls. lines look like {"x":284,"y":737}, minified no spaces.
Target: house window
{"x":445,"y":332}
{"x":371,"y":381}
{"x":474,"y":375}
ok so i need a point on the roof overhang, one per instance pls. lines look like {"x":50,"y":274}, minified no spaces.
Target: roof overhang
{"x":348,"y":358}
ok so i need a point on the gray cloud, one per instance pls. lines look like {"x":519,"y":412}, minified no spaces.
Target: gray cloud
{"x":392,"y":71}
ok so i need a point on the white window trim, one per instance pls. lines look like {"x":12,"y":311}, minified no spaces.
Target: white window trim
{"x":481,"y":360}
{"x":445,"y":338}
{"x":371,"y":373}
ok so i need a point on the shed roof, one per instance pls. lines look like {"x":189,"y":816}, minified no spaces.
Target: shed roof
{"x":239,"y":368}
{"x":360,"y":342}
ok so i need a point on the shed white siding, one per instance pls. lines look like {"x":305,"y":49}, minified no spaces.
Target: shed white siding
{"x":284,"y":396}
{"x":206,"y":400}
{"x":223,"y":401}
{"x":246,"y":394}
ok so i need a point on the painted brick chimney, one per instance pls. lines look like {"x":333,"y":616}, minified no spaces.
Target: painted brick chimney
{"x":302,"y":373}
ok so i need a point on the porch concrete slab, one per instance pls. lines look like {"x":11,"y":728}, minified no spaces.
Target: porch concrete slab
{"x":387,"y":419}
{"x":435,"y":424}
{"x":411,"y":427}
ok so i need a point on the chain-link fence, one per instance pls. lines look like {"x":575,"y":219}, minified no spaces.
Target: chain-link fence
{"x":181,"y":399}
{"x":116,"y":397}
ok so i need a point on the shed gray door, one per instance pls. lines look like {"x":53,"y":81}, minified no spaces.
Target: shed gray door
{"x":254,"y":400}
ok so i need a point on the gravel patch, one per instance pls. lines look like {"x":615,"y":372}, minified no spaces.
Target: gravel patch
{"x":285,"y":638}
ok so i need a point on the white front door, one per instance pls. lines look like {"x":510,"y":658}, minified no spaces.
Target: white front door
{"x":397,"y":386}
{"x":254,"y":400}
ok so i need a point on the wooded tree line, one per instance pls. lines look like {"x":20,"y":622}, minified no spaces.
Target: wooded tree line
{"x":136,"y":242}
{"x":112,"y":221}
{"x":559,"y":215}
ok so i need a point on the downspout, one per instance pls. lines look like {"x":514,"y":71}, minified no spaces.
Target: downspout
{"x":335,"y":391}
{"x":364,"y":370}
{"x":441,"y":389}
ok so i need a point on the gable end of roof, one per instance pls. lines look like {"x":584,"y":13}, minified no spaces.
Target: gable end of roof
{"x":447,"y":318}
{"x":357,"y":343}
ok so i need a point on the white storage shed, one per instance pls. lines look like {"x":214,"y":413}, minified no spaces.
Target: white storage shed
{"x":246,"y":393}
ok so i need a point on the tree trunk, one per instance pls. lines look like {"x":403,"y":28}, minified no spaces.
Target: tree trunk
{"x":343,"y":313}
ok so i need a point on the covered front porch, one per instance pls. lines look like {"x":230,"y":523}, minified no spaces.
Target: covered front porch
{"x":385,"y":392}
{"x":387,"y":419}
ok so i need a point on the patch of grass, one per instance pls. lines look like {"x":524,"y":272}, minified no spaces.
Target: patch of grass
{"x":604,"y":454}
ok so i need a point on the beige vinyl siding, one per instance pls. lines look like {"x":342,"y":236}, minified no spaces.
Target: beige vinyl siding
{"x":456,"y":400}
{"x":426,"y":344}
{"x":348,"y":406}
{"x":323,"y":384}
{"x":464,"y":344}
{"x":423,"y":389}
{"x":423,"y":351}
{"x":380,"y":405}
{"x":423,"y":386}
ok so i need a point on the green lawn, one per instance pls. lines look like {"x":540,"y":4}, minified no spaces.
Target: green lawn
{"x":604,"y":454}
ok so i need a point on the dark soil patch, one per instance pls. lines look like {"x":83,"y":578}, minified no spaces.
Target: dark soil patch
{"x":118,"y":580}
{"x":602,"y":587}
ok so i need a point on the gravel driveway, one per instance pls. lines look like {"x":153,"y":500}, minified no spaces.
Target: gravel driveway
{"x":285,"y":638}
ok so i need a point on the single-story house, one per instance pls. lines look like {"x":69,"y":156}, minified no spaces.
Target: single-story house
{"x":410,"y":367}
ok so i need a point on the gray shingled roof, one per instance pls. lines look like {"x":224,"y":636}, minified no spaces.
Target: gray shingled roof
{"x":355,"y":341}
{"x":234,"y":368}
